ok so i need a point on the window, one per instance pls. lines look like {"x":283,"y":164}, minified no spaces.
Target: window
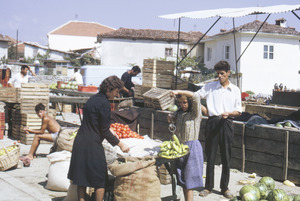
{"x":169,"y":52}
{"x":209,"y":52}
{"x":183,"y":52}
{"x":268,"y":52}
{"x":226,"y":52}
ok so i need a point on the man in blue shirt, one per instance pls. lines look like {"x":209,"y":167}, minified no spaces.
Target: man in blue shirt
{"x":128,"y":85}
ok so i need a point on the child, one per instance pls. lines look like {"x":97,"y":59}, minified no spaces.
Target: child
{"x":187,"y":120}
{"x":49,"y":124}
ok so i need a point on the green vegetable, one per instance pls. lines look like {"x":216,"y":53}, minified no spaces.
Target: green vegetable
{"x":278,"y":195}
{"x":249,"y":197}
{"x":287,"y":124}
{"x":250,"y":189}
{"x":269,"y":182}
{"x":263,"y":189}
{"x":173,"y":108}
{"x":297,"y":198}
{"x":278,"y":125}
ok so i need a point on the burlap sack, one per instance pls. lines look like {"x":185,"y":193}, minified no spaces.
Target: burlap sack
{"x":136,"y":179}
{"x":63,"y":141}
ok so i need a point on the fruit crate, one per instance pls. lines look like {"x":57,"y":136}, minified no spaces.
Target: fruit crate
{"x":158,"y":98}
{"x":87,"y":88}
{"x":8,"y":94}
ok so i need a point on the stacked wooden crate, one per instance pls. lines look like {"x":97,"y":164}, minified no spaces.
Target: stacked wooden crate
{"x":139,"y":90}
{"x":15,"y":126}
{"x":158,"y":98}
{"x":29,"y":95}
{"x":158,"y":73}
{"x":181,"y":84}
{"x":8,"y":94}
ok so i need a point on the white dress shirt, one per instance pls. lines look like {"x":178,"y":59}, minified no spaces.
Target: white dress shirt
{"x":78,"y":78}
{"x":220,"y":99}
{"x":17,"y":80}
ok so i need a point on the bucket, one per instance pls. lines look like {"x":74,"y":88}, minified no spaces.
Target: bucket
{"x":2,"y":128}
{"x":59,"y":84}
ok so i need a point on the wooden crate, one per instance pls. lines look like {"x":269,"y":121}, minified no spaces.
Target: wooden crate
{"x":139,"y":90}
{"x":181,"y":84}
{"x":27,"y":139}
{"x":164,"y":175}
{"x":31,"y":120}
{"x":36,"y":91}
{"x":157,"y":80}
{"x":156,"y":66}
{"x":158,"y":98}
{"x":8,"y":94}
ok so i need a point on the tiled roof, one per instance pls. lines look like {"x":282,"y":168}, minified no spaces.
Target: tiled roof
{"x":77,"y":28}
{"x":267,"y":28}
{"x":150,"y":34}
{"x":2,"y":38}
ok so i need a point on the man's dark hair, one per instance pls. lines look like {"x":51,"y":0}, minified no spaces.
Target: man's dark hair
{"x":222,"y":65}
{"x":39,"y":107}
{"x":76,"y":69}
{"x":110,"y":83}
{"x":136,"y":69}
{"x":23,"y":67}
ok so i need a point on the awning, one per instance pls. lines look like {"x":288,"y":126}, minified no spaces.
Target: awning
{"x":232,"y":12}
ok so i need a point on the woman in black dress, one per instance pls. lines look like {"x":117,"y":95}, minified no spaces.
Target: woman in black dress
{"x":88,"y":166}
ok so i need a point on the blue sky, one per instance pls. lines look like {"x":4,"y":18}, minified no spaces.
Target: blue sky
{"x":35,"y":18}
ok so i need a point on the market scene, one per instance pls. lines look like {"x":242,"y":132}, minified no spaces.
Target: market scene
{"x":149,"y":114}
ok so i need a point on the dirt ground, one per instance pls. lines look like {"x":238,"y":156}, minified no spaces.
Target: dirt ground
{"x":28,"y":183}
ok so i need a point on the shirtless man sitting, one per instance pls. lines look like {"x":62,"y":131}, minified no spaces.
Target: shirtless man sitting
{"x":49,"y":124}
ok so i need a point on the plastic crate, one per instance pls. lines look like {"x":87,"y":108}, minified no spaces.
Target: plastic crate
{"x":87,"y":88}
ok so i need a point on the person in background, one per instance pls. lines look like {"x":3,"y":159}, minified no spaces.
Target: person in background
{"x":128,"y":90}
{"x":223,"y":103}
{"x":187,"y":120}
{"x":36,"y":67}
{"x":49,"y":124}
{"x":77,"y":77}
{"x":88,"y":167}
{"x":21,"y":77}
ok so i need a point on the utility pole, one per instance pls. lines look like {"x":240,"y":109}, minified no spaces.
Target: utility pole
{"x":17,"y":45}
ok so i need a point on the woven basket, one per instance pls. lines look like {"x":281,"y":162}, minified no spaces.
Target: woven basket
{"x":10,"y":158}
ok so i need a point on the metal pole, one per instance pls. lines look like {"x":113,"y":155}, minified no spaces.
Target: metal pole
{"x":199,"y":41}
{"x":235,"y":54}
{"x":178,"y":41}
{"x":17,"y":45}
{"x":296,"y":15}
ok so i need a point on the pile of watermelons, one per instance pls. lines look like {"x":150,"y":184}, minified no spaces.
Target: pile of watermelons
{"x":264,"y":190}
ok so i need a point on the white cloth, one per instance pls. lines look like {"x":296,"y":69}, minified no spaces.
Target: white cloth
{"x":78,"y":78}
{"x":220,"y":99}
{"x":17,"y":80}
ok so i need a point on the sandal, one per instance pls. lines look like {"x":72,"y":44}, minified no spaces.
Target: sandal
{"x":227,"y":194}
{"x":26,"y":161}
{"x":204,"y":193}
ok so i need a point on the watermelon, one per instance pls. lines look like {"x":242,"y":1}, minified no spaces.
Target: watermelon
{"x":251,"y":189}
{"x":296,"y":198}
{"x":263,"y":189}
{"x":249,"y":197}
{"x":236,"y":198}
{"x":269,"y":182}
{"x":278,"y":195}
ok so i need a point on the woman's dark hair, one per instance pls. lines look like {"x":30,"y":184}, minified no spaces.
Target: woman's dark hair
{"x":222,"y":65}
{"x":189,"y":100}
{"x":110,"y":83}
{"x":39,"y":107}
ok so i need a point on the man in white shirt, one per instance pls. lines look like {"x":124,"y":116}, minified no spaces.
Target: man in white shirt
{"x":223,"y":103}
{"x":21,"y":77}
{"x":77,"y":77}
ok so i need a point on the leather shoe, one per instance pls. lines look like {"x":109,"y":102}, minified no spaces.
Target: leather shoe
{"x":227,"y":194}
{"x":204,"y":193}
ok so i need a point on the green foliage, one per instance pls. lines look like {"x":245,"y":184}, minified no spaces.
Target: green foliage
{"x":84,"y":60}
{"x":249,"y":92}
{"x":3,"y":60}
{"x":11,"y":52}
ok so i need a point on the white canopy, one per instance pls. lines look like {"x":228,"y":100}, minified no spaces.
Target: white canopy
{"x":232,"y":12}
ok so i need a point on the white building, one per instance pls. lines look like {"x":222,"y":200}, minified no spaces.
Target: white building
{"x":76,"y":35}
{"x":272,"y":57}
{"x":3,"y":46}
{"x":131,"y":46}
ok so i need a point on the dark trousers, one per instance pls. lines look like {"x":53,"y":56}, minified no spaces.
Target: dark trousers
{"x":219,"y":133}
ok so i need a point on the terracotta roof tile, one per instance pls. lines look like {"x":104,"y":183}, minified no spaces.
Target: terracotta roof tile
{"x":77,"y":28}
{"x":2,"y":38}
{"x":267,"y":28}
{"x":150,"y":34}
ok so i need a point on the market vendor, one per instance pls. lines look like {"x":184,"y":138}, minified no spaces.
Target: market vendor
{"x":21,"y":77}
{"x":88,"y":167}
{"x":77,"y":77}
{"x":49,"y":124}
{"x":187,"y":120}
{"x":128,"y":89}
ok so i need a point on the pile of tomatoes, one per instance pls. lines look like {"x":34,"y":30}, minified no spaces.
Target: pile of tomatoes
{"x":123,"y":131}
